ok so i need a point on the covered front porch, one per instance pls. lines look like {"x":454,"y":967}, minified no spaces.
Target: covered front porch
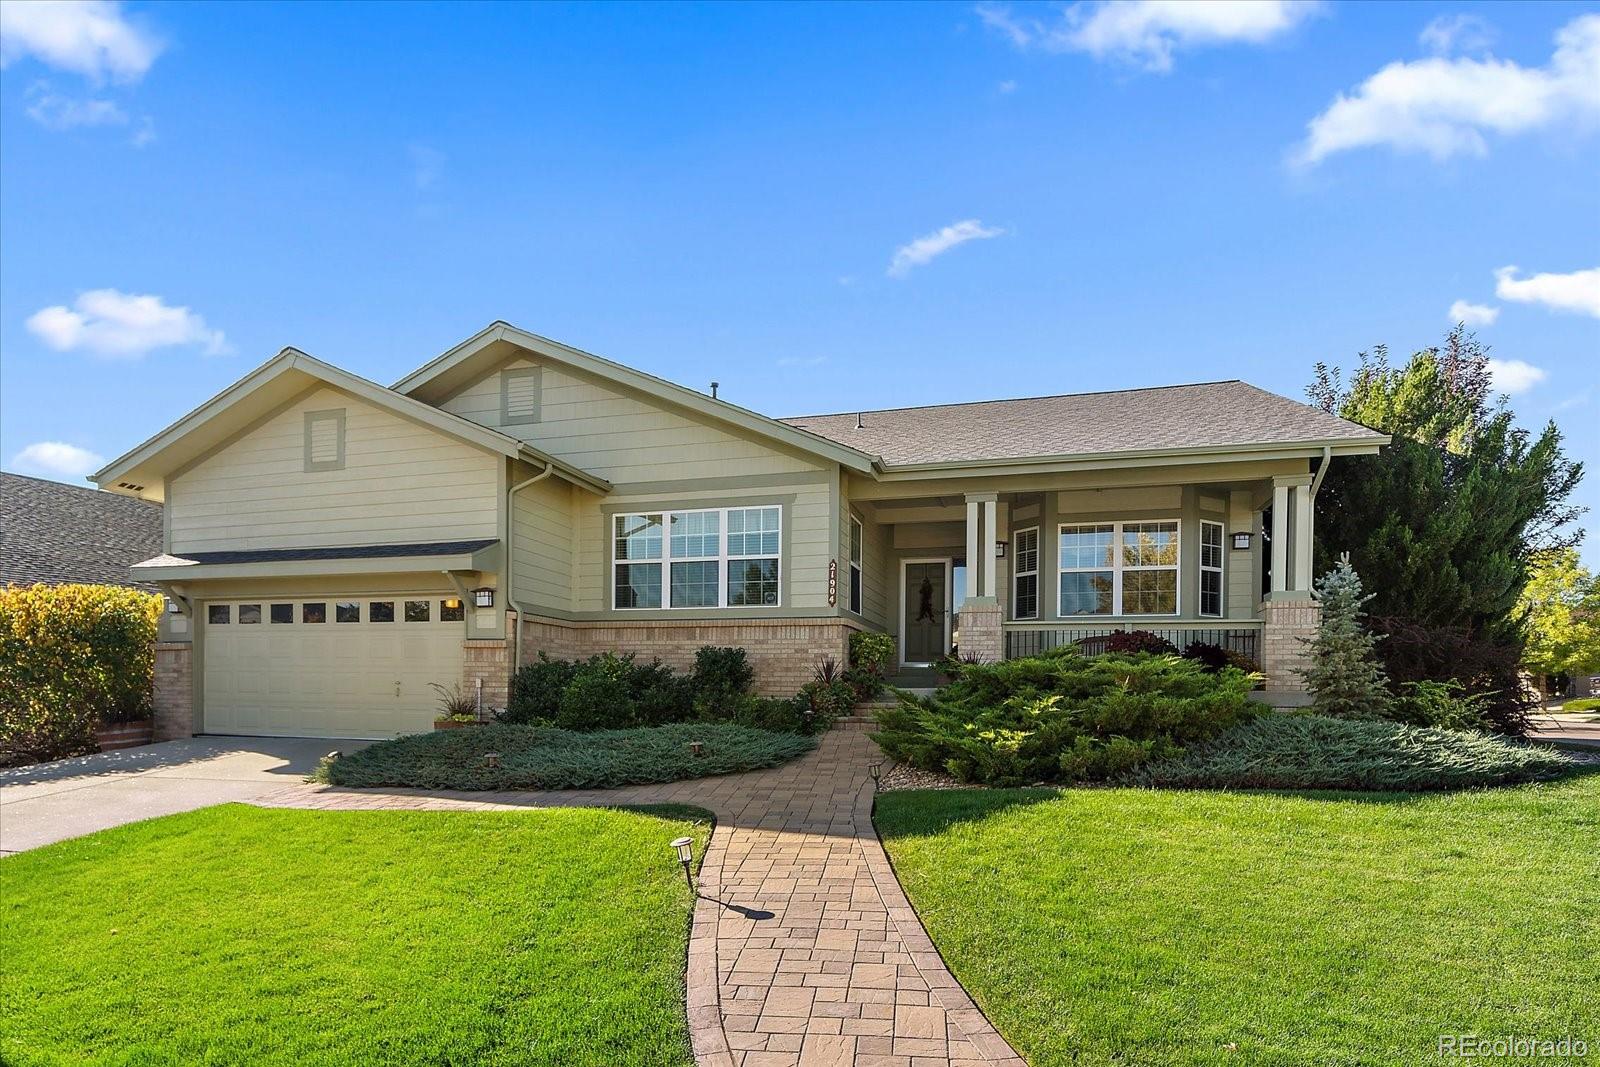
{"x":1012,"y":565}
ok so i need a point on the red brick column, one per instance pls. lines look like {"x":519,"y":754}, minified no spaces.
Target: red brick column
{"x":173,"y":697}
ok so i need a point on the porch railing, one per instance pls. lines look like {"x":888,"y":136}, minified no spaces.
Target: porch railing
{"x":1244,"y":638}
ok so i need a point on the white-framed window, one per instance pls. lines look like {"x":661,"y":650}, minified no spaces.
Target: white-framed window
{"x":701,"y":558}
{"x":1211,"y":553}
{"x":856,"y":532}
{"x":1025,"y":573}
{"x":1118,"y":568}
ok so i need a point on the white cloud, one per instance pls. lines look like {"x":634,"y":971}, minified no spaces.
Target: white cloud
{"x":123,"y":325}
{"x":924,"y":249}
{"x":1473,"y":314}
{"x":426,"y":164}
{"x":802,"y":361}
{"x":57,"y":459}
{"x":57,"y":112}
{"x":1148,"y":32}
{"x":1514,"y":376}
{"x":88,"y":37}
{"x":1007,"y":86}
{"x":1450,"y":34}
{"x":1444,"y":107}
{"x":1578,"y":291}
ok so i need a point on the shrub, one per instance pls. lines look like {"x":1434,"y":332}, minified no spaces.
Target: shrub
{"x":1124,"y":642}
{"x":870,"y":655}
{"x":543,"y":757}
{"x":1063,"y":717}
{"x":455,"y":703}
{"x":1345,"y":678}
{"x":1446,"y":705}
{"x":1215,"y":657}
{"x":721,"y":678}
{"x":599,"y":696}
{"x":1279,"y":751}
{"x":1412,"y":652}
{"x":536,"y":690}
{"x":71,"y":656}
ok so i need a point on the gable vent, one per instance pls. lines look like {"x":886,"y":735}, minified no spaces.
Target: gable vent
{"x":325,"y":440}
{"x":520,"y":389}
{"x":130,"y":485}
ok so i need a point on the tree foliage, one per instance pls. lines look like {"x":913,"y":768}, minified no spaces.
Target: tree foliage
{"x":1561,"y":611}
{"x":1444,"y":522}
{"x":1345,"y":679}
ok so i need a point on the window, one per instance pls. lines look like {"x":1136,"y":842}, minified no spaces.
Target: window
{"x":282,"y":613}
{"x":347,"y":611}
{"x":324,"y":440}
{"x":709,"y":558}
{"x":313,"y":613}
{"x":1211,"y":537}
{"x":1121,"y":568}
{"x":249,"y":614}
{"x":1025,"y":573}
{"x":219,"y":614}
{"x":520,"y":388}
{"x":417,"y":611}
{"x":855,"y":564}
{"x":452,"y":610}
{"x":380,"y":611}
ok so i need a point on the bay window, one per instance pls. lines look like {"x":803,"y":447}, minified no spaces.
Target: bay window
{"x":1119,"y":568}
{"x":705,"y":558}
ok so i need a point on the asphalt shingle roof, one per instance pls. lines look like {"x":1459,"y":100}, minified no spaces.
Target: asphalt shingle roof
{"x":279,"y":555}
{"x":55,"y":533}
{"x":1211,"y":414}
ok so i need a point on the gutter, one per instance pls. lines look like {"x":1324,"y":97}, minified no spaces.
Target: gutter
{"x":511,"y":569}
{"x":1322,"y":469}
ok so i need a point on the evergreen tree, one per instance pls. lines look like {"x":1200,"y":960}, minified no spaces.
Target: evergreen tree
{"x":1345,"y":679}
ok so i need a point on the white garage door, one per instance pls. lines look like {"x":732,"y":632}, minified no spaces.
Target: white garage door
{"x":327,"y":667}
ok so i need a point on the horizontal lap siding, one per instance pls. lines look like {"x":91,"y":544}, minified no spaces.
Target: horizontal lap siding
{"x":543,"y":555}
{"x":401,"y":482}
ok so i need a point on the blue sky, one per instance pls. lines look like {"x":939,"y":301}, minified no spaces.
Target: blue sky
{"x":822,"y":207}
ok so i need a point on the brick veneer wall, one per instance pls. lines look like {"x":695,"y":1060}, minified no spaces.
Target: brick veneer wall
{"x":784,"y":652}
{"x":981,"y":632}
{"x":173,"y":696}
{"x":1286,"y":625}
{"x":490,"y":660}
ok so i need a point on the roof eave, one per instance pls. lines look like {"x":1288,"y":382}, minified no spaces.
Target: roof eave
{"x":487,"y":558}
{"x":1307,"y":449}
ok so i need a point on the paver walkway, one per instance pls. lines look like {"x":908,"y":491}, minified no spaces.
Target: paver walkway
{"x":804,"y":950}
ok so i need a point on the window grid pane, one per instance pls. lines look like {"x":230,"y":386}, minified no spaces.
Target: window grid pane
{"x":1086,"y":547}
{"x":1211,"y":592}
{"x":753,"y":532}
{"x":347,"y":611}
{"x":1027,"y":599}
{"x":218,"y":614}
{"x":638,"y":585}
{"x":380,"y":611}
{"x":638,"y":537}
{"x":249,"y":614}
{"x":1086,"y":593}
{"x":695,"y":534}
{"x":752,"y":583}
{"x":1150,"y":592}
{"x":694,"y":585}
{"x":282,"y":613}
{"x":855,"y":542}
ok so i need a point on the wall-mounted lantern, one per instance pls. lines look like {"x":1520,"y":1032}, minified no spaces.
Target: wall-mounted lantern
{"x":999,"y":550}
{"x":1241,"y":541}
{"x":483,"y":597}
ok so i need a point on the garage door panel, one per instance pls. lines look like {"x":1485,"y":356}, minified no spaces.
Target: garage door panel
{"x":334,"y":679}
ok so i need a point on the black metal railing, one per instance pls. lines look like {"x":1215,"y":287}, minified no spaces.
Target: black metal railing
{"x":1245,"y":640}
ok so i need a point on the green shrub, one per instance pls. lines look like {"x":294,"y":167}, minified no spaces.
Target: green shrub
{"x":870,"y":654}
{"x":1446,"y":705}
{"x":72,"y":656}
{"x":543,"y":757}
{"x":1280,"y":751}
{"x":599,"y":696}
{"x":721,"y":678}
{"x":536,"y":690}
{"x":1063,"y":717}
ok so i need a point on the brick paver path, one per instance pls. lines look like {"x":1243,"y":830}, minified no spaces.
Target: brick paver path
{"x":804,"y":950}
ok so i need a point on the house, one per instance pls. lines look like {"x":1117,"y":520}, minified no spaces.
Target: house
{"x":55,"y":534}
{"x":334,"y":547}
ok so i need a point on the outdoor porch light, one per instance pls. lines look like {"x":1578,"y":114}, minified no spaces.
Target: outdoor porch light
{"x":483,"y":597}
{"x":876,"y":770}
{"x":999,"y":550}
{"x":453,"y":602}
{"x":1241,"y":540}
{"x":684,"y":847}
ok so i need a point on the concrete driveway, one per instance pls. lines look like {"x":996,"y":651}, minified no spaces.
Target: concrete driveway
{"x":54,"y":801}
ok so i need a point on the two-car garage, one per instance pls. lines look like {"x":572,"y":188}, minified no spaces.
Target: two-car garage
{"x":329,"y":666}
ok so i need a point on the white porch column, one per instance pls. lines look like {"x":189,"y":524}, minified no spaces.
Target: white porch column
{"x":1302,"y":538}
{"x":973,"y":507}
{"x":991,"y":510}
{"x":1280,"y":538}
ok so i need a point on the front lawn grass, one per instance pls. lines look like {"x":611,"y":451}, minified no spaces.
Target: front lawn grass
{"x":1178,"y":928}
{"x":544,"y":757}
{"x":241,"y":935}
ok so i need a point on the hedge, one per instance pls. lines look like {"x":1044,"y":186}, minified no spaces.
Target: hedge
{"x":72,"y":656}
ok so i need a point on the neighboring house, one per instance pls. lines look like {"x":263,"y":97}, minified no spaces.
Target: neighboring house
{"x":55,"y":534}
{"x":337,"y":546}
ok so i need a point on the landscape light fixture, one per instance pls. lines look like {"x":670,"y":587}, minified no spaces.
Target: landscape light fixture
{"x":876,"y":770}
{"x":491,"y":759}
{"x":483,"y":597}
{"x":697,"y":747}
{"x":684,"y":847}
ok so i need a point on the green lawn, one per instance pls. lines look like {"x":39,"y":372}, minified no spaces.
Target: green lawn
{"x":241,"y":935}
{"x":1139,"y":927}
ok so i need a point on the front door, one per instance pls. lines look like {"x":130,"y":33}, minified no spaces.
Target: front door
{"x":924,"y":628}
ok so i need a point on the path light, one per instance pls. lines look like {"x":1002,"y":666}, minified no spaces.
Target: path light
{"x":330,"y":757}
{"x":491,"y":759}
{"x":876,"y":770}
{"x":684,"y":847}
{"x":697,"y":747}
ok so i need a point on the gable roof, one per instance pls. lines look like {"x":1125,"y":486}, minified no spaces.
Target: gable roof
{"x":446,"y":373}
{"x":1210,"y":416}
{"x":267,"y":389}
{"x":55,"y":533}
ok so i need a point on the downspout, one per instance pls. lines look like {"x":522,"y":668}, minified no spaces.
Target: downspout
{"x":1322,"y":469}
{"x":511,"y":564}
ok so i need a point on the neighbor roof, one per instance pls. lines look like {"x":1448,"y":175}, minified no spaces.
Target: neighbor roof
{"x":55,"y":533}
{"x":1210,"y":415}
